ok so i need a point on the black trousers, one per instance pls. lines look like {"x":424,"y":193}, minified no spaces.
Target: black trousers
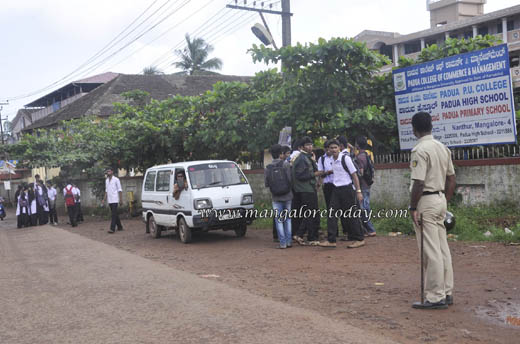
{"x":33,"y":219}
{"x":310,"y":221}
{"x":115,"y":217}
{"x":79,"y":212}
{"x":53,"y":215}
{"x":23,"y":220}
{"x":327,"y":193}
{"x":71,"y":210}
{"x":43,"y":216}
{"x":344,"y":199}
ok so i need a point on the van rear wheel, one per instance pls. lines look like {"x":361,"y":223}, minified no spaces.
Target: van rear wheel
{"x":154,"y":229}
{"x":184,"y":231}
{"x":241,"y":230}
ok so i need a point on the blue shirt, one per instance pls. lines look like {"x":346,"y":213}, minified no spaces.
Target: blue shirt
{"x":342,"y":177}
{"x":325,"y":164}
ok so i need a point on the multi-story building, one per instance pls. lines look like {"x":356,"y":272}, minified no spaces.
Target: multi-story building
{"x":455,"y":19}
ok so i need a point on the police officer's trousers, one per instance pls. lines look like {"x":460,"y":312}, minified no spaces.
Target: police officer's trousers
{"x":437,"y":258}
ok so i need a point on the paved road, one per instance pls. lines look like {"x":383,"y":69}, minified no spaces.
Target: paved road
{"x":59,"y":287}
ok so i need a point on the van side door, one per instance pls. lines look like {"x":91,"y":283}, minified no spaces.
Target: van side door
{"x":183,"y":204}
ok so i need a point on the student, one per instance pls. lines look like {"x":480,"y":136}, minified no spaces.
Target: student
{"x":304,"y":173}
{"x":31,"y":198}
{"x":77,"y":200}
{"x":114,"y":197}
{"x":70,"y":203}
{"x":22,"y":208}
{"x":278,"y":180}
{"x":52,"y":193}
{"x":363,"y":161}
{"x":344,"y":198}
{"x":325,"y":165}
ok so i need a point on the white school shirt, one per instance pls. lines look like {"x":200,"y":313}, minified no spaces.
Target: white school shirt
{"x":77,"y":192}
{"x":325,"y":164}
{"x":74,"y":190}
{"x":51,"y":192}
{"x":342,"y":177}
{"x":112,"y":188}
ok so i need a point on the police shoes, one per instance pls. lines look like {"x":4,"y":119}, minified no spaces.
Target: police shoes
{"x":429,"y":305}
{"x":449,"y":300}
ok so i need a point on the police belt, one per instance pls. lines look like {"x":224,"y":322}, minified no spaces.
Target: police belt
{"x":425,"y":193}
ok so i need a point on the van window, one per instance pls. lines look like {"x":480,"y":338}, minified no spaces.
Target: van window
{"x":149,"y":182}
{"x":215,"y":175}
{"x":163,"y":181}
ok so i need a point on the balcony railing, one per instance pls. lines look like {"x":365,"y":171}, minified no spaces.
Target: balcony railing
{"x":37,"y":115}
{"x":413,"y":56}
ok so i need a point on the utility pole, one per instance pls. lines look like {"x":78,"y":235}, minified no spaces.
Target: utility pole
{"x":285,"y":13}
{"x":3,"y":148}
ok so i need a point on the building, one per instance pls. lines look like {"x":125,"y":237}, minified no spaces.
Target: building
{"x":455,"y":19}
{"x":100,"y":101}
{"x":54,"y":101}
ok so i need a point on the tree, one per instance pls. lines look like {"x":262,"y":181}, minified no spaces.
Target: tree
{"x":194,"y":57}
{"x":152,"y":70}
{"x":327,"y":88}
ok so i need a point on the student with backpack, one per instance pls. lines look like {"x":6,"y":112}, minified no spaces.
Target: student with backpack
{"x":366,"y":172}
{"x":278,"y":180}
{"x":345,"y":197}
{"x":70,"y":201}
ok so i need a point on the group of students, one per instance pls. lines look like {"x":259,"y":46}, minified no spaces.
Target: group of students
{"x":36,"y":204}
{"x":345,"y":174}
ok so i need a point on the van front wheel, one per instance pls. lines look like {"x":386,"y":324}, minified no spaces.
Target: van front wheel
{"x":154,"y":229}
{"x":184,"y":231}
{"x":240,"y":231}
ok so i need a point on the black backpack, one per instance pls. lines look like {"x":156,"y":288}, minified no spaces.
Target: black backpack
{"x":279,"y":184}
{"x":368,"y":173}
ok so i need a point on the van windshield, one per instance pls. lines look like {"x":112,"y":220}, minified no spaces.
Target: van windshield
{"x":215,"y":175}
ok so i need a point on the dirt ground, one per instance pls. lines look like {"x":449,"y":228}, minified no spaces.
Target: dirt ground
{"x":370,"y":287}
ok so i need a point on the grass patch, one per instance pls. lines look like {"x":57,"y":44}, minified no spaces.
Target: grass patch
{"x":471,"y":222}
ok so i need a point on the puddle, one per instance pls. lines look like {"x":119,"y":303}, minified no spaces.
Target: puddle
{"x":500,"y":312}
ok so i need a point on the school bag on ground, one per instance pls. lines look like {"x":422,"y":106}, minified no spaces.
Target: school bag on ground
{"x":279,"y":183}
{"x":69,"y":197}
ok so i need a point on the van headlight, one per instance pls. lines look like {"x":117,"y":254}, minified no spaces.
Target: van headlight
{"x":247,"y":199}
{"x":202,"y":203}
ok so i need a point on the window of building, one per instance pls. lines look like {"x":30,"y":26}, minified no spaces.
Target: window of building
{"x":468,"y":34}
{"x":410,"y":48}
{"x":499,"y":27}
{"x":510,"y":25}
{"x":483,"y":30}
{"x":386,"y":50}
{"x":431,"y":42}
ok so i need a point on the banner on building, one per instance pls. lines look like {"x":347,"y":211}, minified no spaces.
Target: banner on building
{"x":469,"y":97}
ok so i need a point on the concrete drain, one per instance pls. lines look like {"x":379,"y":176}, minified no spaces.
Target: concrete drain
{"x":501,"y":312}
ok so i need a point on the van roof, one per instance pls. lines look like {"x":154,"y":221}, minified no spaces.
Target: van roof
{"x":185,"y":164}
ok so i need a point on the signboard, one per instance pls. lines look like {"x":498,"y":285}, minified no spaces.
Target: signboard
{"x":469,"y":97}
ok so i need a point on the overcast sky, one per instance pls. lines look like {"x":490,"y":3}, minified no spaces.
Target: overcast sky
{"x":46,"y":44}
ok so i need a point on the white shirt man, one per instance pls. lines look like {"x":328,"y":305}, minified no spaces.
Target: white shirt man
{"x":112,"y":189}
{"x":113,"y":196}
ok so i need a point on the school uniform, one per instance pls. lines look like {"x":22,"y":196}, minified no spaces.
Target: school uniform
{"x":344,"y":199}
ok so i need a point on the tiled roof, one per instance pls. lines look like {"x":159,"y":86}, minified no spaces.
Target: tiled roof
{"x":100,"y":101}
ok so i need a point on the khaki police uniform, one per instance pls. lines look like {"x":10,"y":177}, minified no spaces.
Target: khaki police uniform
{"x":431,"y":163}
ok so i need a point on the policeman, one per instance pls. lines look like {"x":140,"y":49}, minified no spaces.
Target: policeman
{"x":433,"y":183}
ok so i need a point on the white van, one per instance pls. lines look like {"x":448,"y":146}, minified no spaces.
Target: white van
{"x":216,"y":195}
